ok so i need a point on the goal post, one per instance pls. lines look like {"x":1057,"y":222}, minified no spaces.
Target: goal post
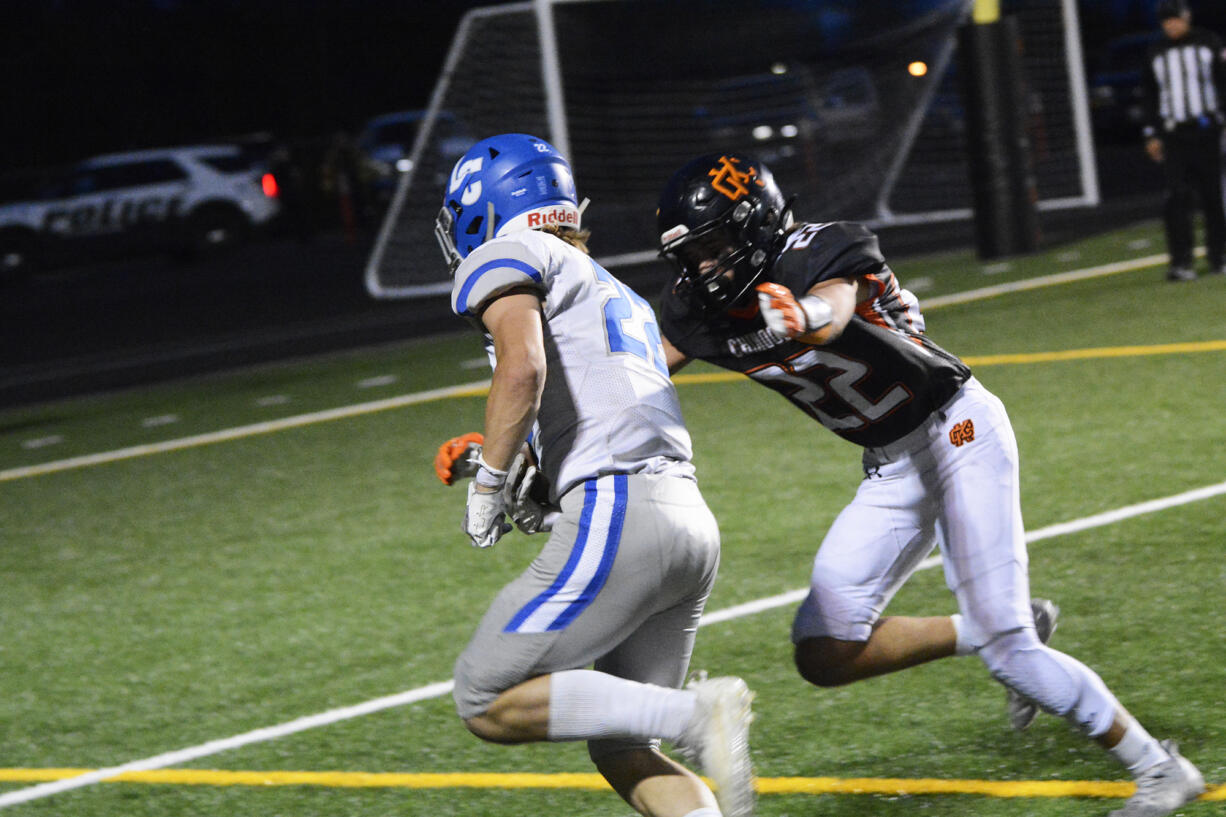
{"x":491,"y":82}
{"x":856,"y":108}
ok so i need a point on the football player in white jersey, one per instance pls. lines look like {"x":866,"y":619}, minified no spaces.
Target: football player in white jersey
{"x":580,"y":373}
{"x":814,"y":312}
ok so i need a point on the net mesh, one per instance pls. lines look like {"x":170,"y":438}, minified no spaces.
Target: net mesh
{"x":858,"y":115}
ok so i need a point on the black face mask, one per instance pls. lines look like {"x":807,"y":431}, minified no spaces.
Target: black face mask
{"x":726,"y":284}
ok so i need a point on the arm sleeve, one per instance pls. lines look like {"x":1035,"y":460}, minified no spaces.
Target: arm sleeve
{"x":490,"y":271}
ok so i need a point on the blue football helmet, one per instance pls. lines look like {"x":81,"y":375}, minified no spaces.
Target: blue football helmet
{"x":501,"y":185}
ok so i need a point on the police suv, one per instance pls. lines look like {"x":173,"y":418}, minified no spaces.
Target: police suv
{"x":184,"y":200}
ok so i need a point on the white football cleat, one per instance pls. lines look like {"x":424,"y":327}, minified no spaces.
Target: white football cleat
{"x":717,"y":740}
{"x":1164,"y":787}
{"x":1022,"y":710}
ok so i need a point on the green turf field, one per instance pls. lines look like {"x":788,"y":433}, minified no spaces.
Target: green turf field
{"x":191,"y":562}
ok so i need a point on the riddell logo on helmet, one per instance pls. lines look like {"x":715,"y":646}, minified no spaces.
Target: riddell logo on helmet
{"x":733,"y":182}
{"x":559,"y":216}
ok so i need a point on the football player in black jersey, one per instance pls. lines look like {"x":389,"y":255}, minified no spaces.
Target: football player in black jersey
{"x":814,"y":312}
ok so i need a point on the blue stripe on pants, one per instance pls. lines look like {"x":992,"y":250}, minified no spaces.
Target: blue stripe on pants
{"x":606,"y":543}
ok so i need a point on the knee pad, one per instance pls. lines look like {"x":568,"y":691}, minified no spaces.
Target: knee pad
{"x":1059,"y":684}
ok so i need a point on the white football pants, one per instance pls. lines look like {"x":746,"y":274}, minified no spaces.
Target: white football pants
{"x":952,"y":483}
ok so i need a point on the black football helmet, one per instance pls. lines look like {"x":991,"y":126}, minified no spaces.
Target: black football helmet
{"x":722,"y":207}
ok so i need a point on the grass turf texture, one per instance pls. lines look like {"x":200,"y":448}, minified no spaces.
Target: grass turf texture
{"x":163,"y":601}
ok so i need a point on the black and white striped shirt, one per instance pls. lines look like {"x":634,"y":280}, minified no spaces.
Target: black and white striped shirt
{"x":1185,"y":82}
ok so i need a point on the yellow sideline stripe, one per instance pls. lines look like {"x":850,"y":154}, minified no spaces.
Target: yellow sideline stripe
{"x":523,"y":780}
{"x":1024,"y":357}
{"x":1104,"y":352}
{"x":481,"y":389}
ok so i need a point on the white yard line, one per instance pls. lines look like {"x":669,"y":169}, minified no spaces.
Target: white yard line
{"x":1045,"y":281}
{"x":239,"y":432}
{"x":213,"y":747}
{"x":441,"y":688}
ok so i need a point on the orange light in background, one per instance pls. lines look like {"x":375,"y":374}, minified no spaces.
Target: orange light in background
{"x":269,"y":183}
{"x":918,"y":68}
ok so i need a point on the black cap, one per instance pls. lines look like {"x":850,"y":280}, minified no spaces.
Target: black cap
{"x":1171,"y":8}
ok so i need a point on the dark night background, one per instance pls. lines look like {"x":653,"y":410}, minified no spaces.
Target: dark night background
{"x":84,"y":77}
{"x":90,"y":76}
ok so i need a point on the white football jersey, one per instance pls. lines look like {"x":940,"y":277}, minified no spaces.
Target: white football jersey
{"x":608,"y":406}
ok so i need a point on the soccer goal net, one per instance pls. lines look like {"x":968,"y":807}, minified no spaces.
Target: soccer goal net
{"x":855,"y":107}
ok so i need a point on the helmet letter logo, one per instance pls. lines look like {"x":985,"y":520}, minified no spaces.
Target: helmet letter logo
{"x":731,"y":181}
{"x":462,"y":171}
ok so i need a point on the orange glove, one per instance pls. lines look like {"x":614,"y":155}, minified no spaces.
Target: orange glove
{"x":457,"y":458}
{"x":780,"y":310}
{"x":789,"y":316}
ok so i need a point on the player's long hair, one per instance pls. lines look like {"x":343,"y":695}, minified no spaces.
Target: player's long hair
{"x":575,"y":238}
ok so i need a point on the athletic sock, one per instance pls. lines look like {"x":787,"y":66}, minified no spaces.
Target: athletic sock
{"x":585,"y":704}
{"x":705,"y":812}
{"x":1138,"y":750}
{"x":961,"y":646}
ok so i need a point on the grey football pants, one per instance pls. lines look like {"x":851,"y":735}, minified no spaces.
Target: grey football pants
{"x":621,"y":583}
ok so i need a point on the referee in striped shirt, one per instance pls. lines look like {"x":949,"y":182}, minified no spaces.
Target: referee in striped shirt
{"x":1185,"y":81}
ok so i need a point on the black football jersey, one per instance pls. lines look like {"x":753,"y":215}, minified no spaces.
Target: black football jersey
{"x":874,"y":383}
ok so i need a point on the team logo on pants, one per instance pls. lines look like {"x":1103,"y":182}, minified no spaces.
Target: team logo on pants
{"x":963,"y":432}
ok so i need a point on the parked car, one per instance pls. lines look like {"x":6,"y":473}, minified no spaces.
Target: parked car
{"x":386,"y":143}
{"x":781,"y":114}
{"x":184,"y":200}
{"x":773,"y":116}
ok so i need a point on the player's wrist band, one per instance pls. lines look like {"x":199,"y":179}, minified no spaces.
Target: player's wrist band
{"x":816,"y":310}
{"x":487,"y":476}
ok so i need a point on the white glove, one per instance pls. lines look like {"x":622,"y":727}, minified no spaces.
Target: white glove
{"x":485,"y":517}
